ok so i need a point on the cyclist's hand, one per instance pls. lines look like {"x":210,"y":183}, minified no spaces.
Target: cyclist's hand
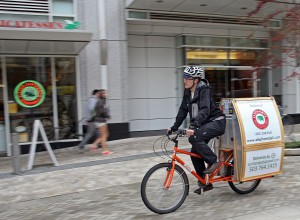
{"x":189,"y":132}
{"x":169,"y":132}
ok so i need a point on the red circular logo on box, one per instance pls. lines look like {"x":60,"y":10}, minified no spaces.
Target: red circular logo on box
{"x":260,"y":119}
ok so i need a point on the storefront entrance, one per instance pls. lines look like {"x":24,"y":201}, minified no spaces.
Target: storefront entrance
{"x":237,"y":82}
{"x":2,"y":117}
{"x":42,"y":88}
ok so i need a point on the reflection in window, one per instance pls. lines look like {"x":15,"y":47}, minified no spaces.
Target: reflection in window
{"x":39,"y":69}
{"x":217,"y":79}
{"x":206,"y":41}
{"x":247,"y":42}
{"x":66,"y":96}
{"x":243,"y":57}
{"x":62,"y":7}
{"x":202,"y":56}
{"x":22,"y":118}
{"x":2,"y":119}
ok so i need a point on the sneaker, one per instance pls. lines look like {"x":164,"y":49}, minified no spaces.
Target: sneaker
{"x":205,"y":189}
{"x":212,"y":167}
{"x":79,"y":150}
{"x":93,"y":149}
{"x":106,"y":152}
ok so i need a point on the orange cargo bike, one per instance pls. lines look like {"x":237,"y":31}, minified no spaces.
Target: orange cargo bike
{"x":165,"y":186}
{"x":251,"y":149}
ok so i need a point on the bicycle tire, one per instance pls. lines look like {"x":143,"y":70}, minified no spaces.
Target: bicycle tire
{"x":288,"y":124}
{"x":152,"y":190}
{"x":242,"y":187}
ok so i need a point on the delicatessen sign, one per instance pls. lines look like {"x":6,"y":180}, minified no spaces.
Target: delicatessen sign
{"x":40,"y":24}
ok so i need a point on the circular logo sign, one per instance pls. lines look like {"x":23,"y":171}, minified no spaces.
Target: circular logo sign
{"x":260,"y":119}
{"x":29,"y":93}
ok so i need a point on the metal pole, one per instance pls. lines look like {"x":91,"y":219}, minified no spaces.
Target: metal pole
{"x":16,"y":153}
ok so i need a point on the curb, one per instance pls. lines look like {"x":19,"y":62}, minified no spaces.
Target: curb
{"x":292,"y":152}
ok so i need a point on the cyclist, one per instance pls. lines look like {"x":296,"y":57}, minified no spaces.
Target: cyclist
{"x":206,"y":121}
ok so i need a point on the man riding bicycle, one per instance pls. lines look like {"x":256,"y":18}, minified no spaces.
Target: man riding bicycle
{"x":206,"y":121}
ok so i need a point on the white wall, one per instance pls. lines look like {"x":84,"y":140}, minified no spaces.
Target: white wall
{"x":152,"y":73}
{"x":290,"y":86}
{"x":152,"y":82}
{"x":108,"y":24}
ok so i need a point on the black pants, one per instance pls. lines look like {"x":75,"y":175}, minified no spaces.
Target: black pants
{"x":199,"y":144}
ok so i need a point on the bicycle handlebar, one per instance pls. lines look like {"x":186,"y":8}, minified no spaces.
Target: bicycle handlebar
{"x":179,"y":133}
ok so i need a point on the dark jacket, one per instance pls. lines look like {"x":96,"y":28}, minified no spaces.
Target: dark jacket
{"x":101,"y":112}
{"x":202,"y":108}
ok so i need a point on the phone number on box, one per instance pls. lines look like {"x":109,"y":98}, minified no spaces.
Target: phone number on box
{"x":263,"y":167}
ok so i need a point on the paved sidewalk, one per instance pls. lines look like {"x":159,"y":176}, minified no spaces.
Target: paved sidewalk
{"x":125,"y":149}
{"x":71,"y":157}
{"x":92,"y":186}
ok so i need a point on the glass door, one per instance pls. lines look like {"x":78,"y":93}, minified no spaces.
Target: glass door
{"x":242,"y":83}
{"x":29,"y":86}
{"x":42,"y":88}
{"x":232,"y":82}
{"x":2,"y":118}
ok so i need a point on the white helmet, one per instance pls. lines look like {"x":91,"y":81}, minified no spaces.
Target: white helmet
{"x":193,"y":72}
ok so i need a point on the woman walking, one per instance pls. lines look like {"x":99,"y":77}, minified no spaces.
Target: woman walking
{"x":101,"y":115}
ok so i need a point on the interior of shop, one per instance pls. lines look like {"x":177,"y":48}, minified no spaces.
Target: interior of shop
{"x":57,"y":111}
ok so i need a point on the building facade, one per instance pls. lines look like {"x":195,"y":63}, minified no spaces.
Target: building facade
{"x":53,"y":53}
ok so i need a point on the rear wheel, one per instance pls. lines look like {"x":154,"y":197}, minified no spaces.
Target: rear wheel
{"x":242,"y":187}
{"x":156,"y":196}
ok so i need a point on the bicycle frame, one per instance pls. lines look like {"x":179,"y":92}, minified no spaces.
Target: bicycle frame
{"x":207,"y":178}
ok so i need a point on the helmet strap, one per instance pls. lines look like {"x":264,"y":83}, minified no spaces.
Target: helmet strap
{"x":193,"y":88}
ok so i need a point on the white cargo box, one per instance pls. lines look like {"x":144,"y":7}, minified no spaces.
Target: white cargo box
{"x":254,"y":132}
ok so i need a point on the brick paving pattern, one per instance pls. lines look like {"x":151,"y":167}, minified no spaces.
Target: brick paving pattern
{"x":109,"y":188}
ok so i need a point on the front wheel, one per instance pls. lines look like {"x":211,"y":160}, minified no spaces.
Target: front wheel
{"x":244,"y":187}
{"x":156,"y":196}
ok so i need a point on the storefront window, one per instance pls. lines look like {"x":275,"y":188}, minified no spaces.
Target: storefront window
{"x":206,"y":41}
{"x":39,"y":10}
{"x":30,"y":96}
{"x":65,"y":69}
{"x":62,"y":7}
{"x":246,"y":42}
{"x":227,"y":68}
{"x":25,"y":98}
{"x":243,"y":57}
{"x":218,"y":79}
{"x":2,"y":119}
{"x":20,"y":17}
{"x":205,"y":56}
{"x":63,"y":19}
{"x":242,"y":83}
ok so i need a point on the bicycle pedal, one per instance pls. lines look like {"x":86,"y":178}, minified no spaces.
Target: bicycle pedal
{"x":199,"y":191}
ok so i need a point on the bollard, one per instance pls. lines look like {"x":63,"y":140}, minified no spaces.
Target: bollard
{"x":16,"y":153}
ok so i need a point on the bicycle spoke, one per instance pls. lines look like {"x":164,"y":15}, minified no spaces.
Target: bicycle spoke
{"x":161,"y":197}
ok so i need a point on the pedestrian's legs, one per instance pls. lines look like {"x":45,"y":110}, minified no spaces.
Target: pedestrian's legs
{"x":104,"y":135}
{"x":103,"y":130}
{"x":91,"y":131}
